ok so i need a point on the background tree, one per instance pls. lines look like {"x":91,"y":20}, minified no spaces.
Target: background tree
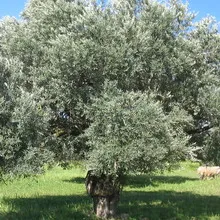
{"x":23,"y":125}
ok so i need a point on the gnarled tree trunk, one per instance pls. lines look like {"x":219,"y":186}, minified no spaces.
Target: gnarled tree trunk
{"x":104,"y":191}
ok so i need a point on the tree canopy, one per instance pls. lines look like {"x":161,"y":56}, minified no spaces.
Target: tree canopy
{"x":55,"y":63}
{"x":131,"y":133}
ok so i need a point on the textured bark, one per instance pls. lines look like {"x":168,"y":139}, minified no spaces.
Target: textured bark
{"x":105,"y":192}
{"x":105,"y":207}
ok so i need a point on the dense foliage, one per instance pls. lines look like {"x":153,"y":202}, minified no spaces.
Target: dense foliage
{"x":55,"y":60}
{"x":130,"y":133}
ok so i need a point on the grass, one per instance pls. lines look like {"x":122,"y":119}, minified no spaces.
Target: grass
{"x":60,"y":194}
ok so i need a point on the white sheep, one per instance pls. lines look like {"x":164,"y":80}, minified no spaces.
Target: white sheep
{"x":206,"y":171}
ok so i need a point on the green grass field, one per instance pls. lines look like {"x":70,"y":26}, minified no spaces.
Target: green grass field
{"x":60,"y":194}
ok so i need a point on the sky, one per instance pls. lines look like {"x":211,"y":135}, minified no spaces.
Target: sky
{"x":203,"y":7}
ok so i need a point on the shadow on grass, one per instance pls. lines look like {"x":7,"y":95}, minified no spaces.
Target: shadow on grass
{"x":159,"y":205}
{"x":49,"y":207}
{"x":145,"y":180}
{"x":79,"y":180}
{"x":169,"y":205}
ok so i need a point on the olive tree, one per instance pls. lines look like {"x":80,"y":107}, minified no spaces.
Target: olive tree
{"x":129,"y":132}
{"x":58,"y":57}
